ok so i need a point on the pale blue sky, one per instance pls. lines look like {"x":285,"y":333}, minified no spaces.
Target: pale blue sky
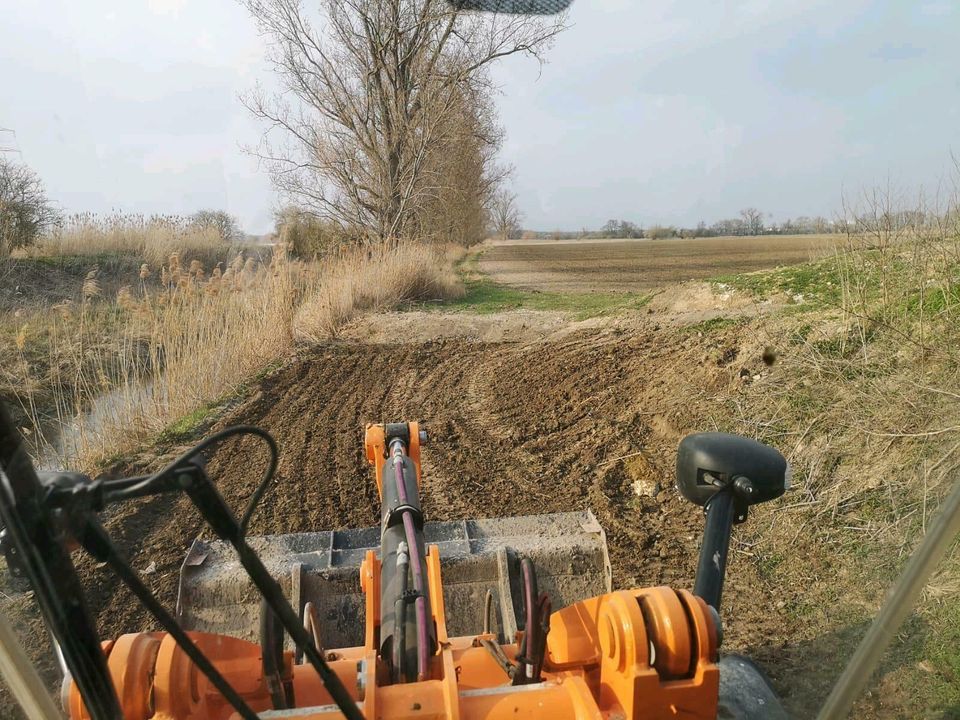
{"x":656,"y":112}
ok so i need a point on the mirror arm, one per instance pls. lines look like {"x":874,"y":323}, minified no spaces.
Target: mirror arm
{"x":723,"y":510}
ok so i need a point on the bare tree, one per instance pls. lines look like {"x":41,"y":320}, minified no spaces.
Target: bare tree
{"x":25,"y":211}
{"x":752,"y":220}
{"x":225,"y":224}
{"x":369,"y":90}
{"x":621,"y":229}
{"x":505,"y":214}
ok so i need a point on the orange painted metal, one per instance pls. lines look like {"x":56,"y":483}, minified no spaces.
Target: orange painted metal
{"x":75,"y":704}
{"x":131,"y":662}
{"x":647,"y":654}
{"x":370,"y":585}
{"x":450,"y":690}
{"x":374,"y":444}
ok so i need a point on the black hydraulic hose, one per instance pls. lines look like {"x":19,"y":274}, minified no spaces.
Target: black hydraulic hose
{"x":419,"y":603}
{"x":416,"y":565}
{"x":27,"y":520}
{"x":222,"y":521}
{"x":531,"y":626}
{"x":400,"y":615}
{"x":147,"y":484}
{"x":96,"y":541}
{"x":48,"y":567}
{"x":544,"y":608}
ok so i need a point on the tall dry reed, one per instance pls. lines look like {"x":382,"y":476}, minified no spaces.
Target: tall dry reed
{"x":152,"y":237}
{"x":177,"y":348}
{"x":182,"y":335}
{"x":375,"y":278}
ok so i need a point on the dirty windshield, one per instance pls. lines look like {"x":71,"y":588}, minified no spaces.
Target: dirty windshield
{"x":480,"y":359}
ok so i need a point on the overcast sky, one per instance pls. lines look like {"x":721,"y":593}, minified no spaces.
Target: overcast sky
{"x":648,"y":110}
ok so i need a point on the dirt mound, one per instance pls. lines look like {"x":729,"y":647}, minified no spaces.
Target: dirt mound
{"x":696,"y":301}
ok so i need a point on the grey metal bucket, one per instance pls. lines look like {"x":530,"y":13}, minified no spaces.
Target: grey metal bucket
{"x":569,"y":552}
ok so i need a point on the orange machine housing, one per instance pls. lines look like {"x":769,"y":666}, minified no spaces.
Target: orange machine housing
{"x":641,"y":654}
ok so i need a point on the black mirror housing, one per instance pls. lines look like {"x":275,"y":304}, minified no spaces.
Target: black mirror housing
{"x":512,"y":7}
{"x":708,"y":462}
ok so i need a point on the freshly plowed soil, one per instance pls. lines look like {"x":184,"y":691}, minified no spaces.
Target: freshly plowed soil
{"x":580,"y":419}
{"x":586,"y":266}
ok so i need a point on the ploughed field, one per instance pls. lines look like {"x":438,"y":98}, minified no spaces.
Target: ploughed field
{"x":640,"y":265}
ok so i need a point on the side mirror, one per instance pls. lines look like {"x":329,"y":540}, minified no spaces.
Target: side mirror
{"x":725,"y":474}
{"x":709,"y":462}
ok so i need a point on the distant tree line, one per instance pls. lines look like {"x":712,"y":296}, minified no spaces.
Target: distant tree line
{"x":27,"y":214}
{"x":750,"y":222}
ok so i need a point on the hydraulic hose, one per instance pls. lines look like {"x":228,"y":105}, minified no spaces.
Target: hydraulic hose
{"x":399,"y":612}
{"x":532,"y":645}
{"x":416,"y":564}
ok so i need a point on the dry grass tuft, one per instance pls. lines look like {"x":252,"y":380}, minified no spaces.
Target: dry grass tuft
{"x":862,"y":400}
{"x":375,"y":278}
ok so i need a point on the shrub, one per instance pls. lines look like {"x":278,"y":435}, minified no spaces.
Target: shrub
{"x":309,"y":237}
{"x":220,"y":221}
{"x":658,"y":232}
{"x":25,"y":212}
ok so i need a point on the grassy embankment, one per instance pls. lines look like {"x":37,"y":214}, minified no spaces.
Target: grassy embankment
{"x":861,"y":398}
{"x":863,"y":401}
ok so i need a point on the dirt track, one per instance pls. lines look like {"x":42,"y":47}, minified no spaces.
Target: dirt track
{"x":516,"y":428}
{"x":525,"y":427}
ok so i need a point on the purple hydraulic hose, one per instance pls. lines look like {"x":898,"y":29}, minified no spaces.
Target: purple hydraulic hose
{"x":416,"y":567}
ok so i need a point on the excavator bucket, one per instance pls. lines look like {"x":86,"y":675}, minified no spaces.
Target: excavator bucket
{"x":568,"y":550}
